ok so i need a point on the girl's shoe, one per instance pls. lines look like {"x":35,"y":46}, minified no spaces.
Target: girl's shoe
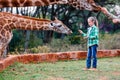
{"x":93,"y":69}
{"x":85,"y":69}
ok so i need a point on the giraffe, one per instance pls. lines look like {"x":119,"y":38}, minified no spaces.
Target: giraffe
{"x":23,"y":3}
{"x":78,"y":4}
{"x":9,"y":21}
{"x":92,"y":6}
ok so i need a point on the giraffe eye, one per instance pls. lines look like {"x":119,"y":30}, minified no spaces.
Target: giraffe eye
{"x":51,"y":24}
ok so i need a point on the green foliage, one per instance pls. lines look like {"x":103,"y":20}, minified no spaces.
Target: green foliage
{"x":40,"y":49}
{"x":109,"y":41}
{"x":15,"y":52}
{"x":17,"y":41}
{"x":71,"y":43}
{"x":114,"y":1}
{"x":56,"y":42}
{"x":77,"y":40}
{"x":34,"y":41}
{"x":58,"y":45}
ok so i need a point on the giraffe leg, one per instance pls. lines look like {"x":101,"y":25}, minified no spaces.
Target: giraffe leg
{"x":3,"y":46}
{"x":4,"y":55}
{"x":3,"y":51}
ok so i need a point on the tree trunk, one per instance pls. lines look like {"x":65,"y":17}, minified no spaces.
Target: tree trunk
{"x":27,"y":38}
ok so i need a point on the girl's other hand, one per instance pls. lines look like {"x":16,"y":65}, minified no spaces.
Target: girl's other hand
{"x":80,"y":31}
{"x":115,"y":20}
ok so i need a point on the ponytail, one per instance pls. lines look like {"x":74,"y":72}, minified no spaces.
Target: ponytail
{"x":96,"y":21}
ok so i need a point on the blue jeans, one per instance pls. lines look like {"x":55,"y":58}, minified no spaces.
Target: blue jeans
{"x":91,"y":56}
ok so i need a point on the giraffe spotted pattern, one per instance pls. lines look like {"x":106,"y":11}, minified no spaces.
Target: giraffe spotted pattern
{"x":23,"y":3}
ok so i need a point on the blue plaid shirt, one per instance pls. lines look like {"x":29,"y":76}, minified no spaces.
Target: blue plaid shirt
{"x":93,"y":35}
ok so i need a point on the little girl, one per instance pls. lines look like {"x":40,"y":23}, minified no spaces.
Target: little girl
{"x":93,"y":40}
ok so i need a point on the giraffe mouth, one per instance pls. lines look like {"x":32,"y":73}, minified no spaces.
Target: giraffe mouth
{"x":70,"y":32}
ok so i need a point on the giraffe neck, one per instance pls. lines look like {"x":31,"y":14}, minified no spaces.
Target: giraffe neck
{"x":84,"y":5}
{"x":24,"y":22}
{"x":79,"y":4}
{"x":23,"y":3}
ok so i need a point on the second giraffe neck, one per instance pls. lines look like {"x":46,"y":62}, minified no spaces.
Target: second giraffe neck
{"x":23,"y":3}
{"x":24,"y":22}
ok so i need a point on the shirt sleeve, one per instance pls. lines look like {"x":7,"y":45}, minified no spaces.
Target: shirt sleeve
{"x":84,"y":34}
{"x":94,"y":34}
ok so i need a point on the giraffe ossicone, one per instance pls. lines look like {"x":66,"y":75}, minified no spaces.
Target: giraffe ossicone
{"x":9,"y":21}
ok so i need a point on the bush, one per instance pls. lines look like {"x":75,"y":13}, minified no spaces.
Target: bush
{"x":34,"y":41}
{"x":17,"y":41}
{"x":71,"y":43}
{"x":58,"y":45}
{"x":110,"y":41}
{"x":77,"y":40}
{"x":40,"y":49}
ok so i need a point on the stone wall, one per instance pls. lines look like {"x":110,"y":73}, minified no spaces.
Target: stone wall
{"x":53,"y":57}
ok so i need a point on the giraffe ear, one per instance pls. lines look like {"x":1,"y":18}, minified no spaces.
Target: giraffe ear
{"x":56,"y":18}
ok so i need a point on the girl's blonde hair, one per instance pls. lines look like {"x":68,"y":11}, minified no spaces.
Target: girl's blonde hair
{"x":94,"y":19}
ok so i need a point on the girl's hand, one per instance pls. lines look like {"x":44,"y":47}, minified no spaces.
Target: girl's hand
{"x":80,"y":31}
{"x":115,"y":20}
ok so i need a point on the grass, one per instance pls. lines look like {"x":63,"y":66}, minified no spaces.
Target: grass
{"x":108,"y":69}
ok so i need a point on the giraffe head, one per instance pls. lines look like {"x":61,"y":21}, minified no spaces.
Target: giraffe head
{"x":59,"y":27}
